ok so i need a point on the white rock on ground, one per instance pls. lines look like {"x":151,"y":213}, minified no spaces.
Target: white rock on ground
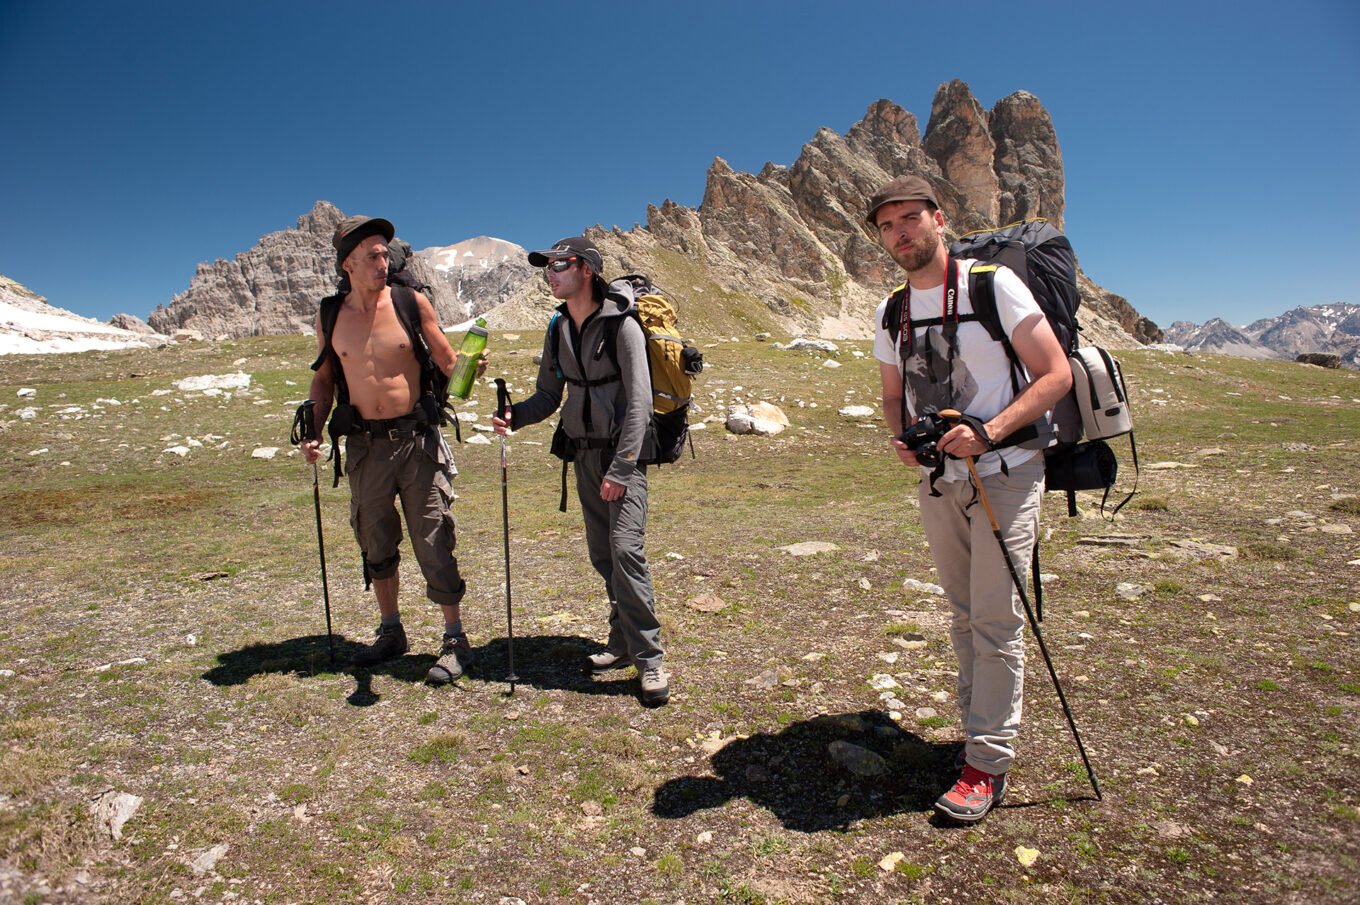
{"x":762,"y":418}
{"x":239,"y":380}
{"x":809,"y":548}
{"x":923,"y":587}
{"x":207,"y":861}
{"x":112,"y":810}
{"x":857,"y":411}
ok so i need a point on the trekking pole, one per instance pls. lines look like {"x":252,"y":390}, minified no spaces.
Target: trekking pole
{"x":949,"y":414}
{"x":304,"y":428}
{"x":503,"y":406}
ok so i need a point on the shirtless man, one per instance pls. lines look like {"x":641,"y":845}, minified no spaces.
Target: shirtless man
{"x":394,"y":448}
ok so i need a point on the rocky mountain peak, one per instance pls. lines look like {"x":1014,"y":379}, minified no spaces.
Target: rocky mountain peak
{"x":959,"y":138}
{"x":793,"y":240}
{"x":1028,"y":161}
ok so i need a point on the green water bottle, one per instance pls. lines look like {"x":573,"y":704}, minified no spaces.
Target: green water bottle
{"x":474,"y":341}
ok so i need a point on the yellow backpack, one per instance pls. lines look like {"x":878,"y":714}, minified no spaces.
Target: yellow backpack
{"x":673,"y":364}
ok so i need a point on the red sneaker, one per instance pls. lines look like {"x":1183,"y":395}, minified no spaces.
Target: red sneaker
{"x":973,"y":795}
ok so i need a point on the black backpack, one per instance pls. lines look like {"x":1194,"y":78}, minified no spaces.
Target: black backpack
{"x":1097,"y":407}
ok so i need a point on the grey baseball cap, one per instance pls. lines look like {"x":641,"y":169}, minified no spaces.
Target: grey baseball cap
{"x":579,"y":246}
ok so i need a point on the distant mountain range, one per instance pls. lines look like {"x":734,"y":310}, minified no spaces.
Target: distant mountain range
{"x":785,"y":250}
{"x":1322,"y":329}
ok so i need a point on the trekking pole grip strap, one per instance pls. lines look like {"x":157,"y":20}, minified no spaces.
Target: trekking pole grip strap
{"x":304,"y":423}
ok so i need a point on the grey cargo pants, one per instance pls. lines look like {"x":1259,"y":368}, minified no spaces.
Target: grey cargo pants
{"x":615,"y":536}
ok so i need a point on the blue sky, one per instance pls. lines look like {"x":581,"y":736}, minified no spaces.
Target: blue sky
{"x":1210,"y":148}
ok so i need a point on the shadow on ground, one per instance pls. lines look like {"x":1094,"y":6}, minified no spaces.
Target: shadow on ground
{"x":304,"y":657}
{"x":541,"y":661}
{"x":550,"y":662}
{"x":793,"y":774}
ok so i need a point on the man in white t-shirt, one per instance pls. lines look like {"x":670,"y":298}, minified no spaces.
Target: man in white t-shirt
{"x":936,"y":356}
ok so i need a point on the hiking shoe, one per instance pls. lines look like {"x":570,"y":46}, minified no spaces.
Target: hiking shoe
{"x":455,"y":656}
{"x":656,"y":686}
{"x":607,"y":660}
{"x":390,"y":642}
{"x":973,"y":795}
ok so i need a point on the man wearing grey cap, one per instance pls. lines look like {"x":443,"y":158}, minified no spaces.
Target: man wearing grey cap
{"x":934,"y":354}
{"x":601,"y":431}
{"x":392,"y":440}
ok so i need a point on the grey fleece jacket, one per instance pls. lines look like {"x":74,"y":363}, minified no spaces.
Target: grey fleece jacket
{"x":620,"y":410}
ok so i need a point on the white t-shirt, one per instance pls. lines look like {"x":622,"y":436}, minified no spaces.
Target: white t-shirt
{"x":976,"y":378}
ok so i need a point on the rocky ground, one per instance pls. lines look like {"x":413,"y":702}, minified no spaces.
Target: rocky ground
{"x":173,"y":729}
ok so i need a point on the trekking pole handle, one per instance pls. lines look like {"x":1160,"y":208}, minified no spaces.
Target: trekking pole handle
{"x":502,"y":398}
{"x":954,"y":416}
{"x":304,"y":423}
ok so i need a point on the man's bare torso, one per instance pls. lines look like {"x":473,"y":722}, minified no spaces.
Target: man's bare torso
{"x":381,"y":369}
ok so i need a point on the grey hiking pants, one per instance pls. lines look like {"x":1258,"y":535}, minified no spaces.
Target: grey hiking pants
{"x":615,"y":535}
{"x":987,"y":615}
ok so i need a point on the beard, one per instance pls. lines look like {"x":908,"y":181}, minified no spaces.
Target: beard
{"x":919,"y":253}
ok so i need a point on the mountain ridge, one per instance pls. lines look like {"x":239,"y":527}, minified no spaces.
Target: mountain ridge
{"x":782,"y":250}
{"x":1328,"y":329}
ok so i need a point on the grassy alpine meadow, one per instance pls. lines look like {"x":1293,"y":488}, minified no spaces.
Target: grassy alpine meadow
{"x":163,"y":649}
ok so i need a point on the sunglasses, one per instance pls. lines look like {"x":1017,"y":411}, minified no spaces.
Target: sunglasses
{"x":560,"y":265}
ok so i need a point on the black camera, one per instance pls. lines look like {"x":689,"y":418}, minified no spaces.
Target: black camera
{"x":921,"y":438}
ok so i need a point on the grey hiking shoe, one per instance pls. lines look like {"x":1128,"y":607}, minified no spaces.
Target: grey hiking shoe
{"x":455,"y":656}
{"x":607,"y":660}
{"x":389,"y":643}
{"x":656,"y":686}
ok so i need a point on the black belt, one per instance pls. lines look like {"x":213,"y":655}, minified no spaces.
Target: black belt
{"x":402,"y":428}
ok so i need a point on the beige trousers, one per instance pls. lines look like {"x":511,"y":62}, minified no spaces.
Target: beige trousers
{"x":987,"y":615}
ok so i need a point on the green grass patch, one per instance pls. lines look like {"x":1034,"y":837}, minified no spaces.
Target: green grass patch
{"x":1269,"y":551}
{"x":445,"y":748}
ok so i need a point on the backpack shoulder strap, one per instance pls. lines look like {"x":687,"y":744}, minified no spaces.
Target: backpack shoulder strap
{"x":555,"y":337}
{"x":330,"y":313}
{"x":982,"y":293}
{"x":408,"y":312}
{"x":611,"y":336}
{"x":892,"y":312}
